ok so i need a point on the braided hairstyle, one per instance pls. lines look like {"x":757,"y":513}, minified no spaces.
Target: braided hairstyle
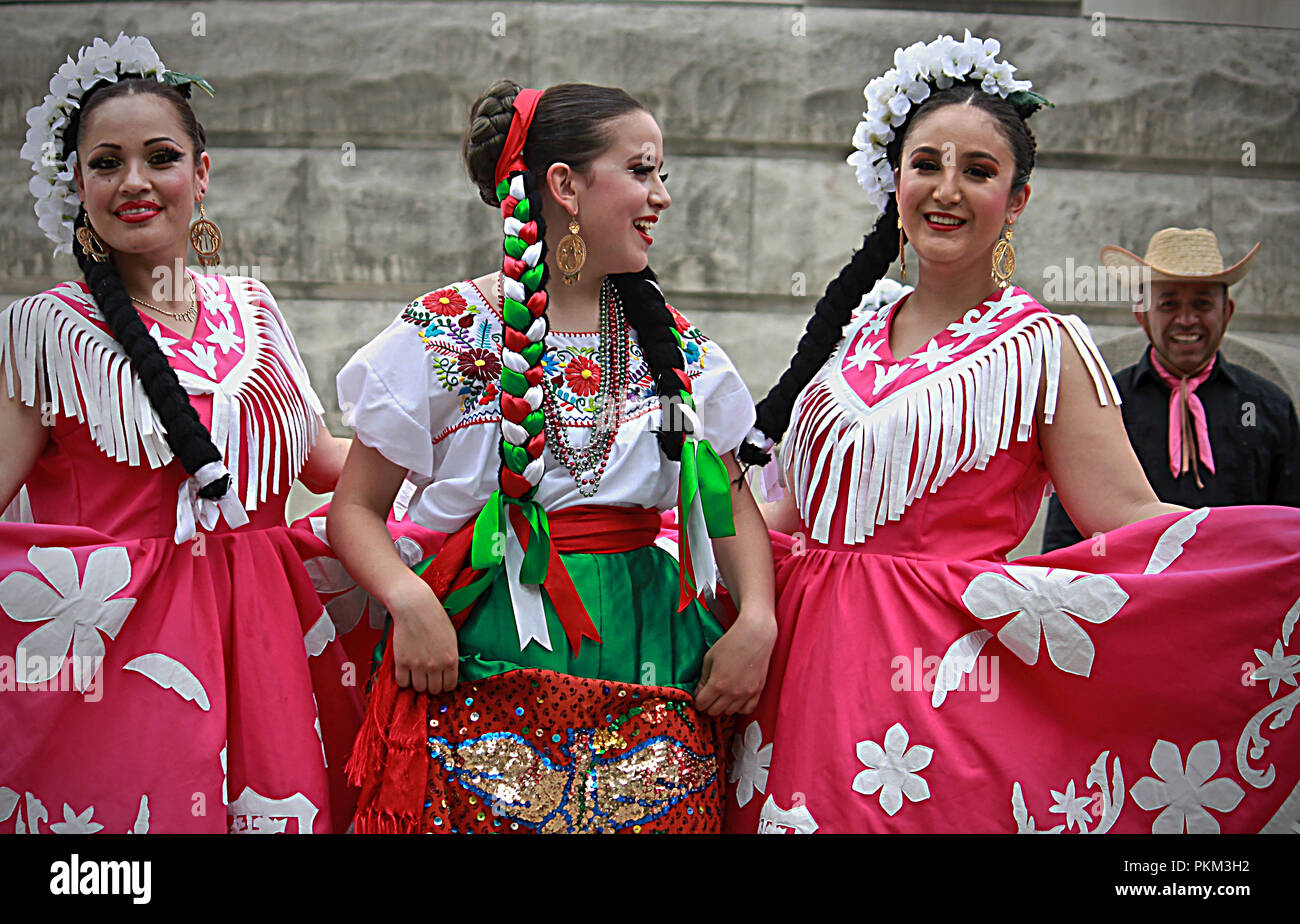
{"x":570,"y":125}
{"x":188,"y":438}
{"x":869,"y":264}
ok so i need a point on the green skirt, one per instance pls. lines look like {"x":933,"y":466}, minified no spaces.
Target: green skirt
{"x":631,"y":598}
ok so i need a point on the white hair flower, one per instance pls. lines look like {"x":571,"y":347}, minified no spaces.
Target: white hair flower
{"x":52,"y":185}
{"x":918,"y":70}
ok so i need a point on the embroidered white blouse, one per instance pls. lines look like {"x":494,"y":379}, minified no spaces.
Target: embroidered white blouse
{"x":425,"y":393}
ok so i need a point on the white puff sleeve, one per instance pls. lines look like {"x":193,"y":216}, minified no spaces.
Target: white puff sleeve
{"x":389,"y":397}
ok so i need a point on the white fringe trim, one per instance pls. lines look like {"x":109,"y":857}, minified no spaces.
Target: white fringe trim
{"x":952,"y":420}
{"x":65,"y":364}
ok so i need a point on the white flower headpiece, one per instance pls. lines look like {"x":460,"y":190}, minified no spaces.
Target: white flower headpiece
{"x":917,"y":70}
{"x":53,"y":185}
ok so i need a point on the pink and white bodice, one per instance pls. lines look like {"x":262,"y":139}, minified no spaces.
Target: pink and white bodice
{"x":877,"y":438}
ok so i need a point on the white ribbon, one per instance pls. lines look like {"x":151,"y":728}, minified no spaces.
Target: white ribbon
{"x":514,"y":361}
{"x":532,"y":254}
{"x":526,"y":599}
{"x":513,"y":288}
{"x":702,"y":562}
{"x":193,"y":511}
{"x":517,"y":187}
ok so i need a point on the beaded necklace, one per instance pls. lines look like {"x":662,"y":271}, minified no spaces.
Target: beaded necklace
{"x":587,"y":464}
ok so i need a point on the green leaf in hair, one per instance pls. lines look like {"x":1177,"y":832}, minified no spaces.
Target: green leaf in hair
{"x":176,"y":79}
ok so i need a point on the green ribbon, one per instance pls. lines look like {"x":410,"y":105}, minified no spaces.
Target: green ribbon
{"x":704,"y":473}
{"x":515,"y":246}
{"x":503,"y":189}
{"x":516,"y":314}
{"x":487,"y":548}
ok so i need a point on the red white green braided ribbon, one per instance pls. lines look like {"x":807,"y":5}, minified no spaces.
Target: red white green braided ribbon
{"x":523,"y":431}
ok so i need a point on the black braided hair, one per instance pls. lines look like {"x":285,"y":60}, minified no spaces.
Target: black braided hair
{"x":647,"y":312}
{"x":869,"y":264}
{"x":188,"y":438}
{"x":570,"y":125}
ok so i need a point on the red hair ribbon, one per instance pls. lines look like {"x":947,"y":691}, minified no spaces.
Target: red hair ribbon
{"x":512,"y":155}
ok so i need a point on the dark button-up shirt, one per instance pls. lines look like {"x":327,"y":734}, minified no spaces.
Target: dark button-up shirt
{"x":1254,"y":436}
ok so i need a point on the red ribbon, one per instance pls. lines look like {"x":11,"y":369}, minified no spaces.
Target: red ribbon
{"x":511,"y":158}
{"x":586,"y":528}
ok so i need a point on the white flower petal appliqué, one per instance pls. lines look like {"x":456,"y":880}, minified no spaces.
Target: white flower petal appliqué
{"x":1186,"y":792}
{"x":1277,"y":667}
{"x":751,"y":761}
{"x":893,"y":770}
{"x":170,"y":674}
{"x":77,"y":611}
{"x":74,"y":823}
{"x":1044,"y":600}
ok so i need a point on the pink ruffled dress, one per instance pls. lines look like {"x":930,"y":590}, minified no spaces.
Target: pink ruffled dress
{"x":1143,"y":680}
{"x":159,"y":670}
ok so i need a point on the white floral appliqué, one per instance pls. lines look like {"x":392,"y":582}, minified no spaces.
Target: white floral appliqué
{"x":1043,"y":600}
{"x":751,"y":761}
{"x":893,"y":770}
{"x":77,"y":611}
{"x":1276,"y":667}
{"x":1185,"y":794}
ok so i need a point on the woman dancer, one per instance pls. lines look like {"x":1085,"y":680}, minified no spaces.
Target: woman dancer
{"x":549,"y":670}
{"x":910,"y":689}
{"x":155,"y":615}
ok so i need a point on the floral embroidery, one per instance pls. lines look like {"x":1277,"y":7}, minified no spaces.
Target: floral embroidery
{"x":582,"y":376}
{"x":894,"y":770}
{"x":446,"y":302}
{"x":463,"y":347}
{"x":750,"y":762}
{"x":480,"y":364}
{"x":77,"y":611}
{"x":1045,"y":599}
{"x":1185,"y":794}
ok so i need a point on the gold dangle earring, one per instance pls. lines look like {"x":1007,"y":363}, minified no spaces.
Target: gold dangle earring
{"x":571,"y":254}
{"x":90,"y":242}
{"x":205,"y":238}
{"x":1004,"y":260}
{"x":902,"y":249}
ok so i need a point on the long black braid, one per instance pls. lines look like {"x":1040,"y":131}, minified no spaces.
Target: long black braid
{"x":188,"y":438}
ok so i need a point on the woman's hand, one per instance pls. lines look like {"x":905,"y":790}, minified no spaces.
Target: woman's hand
{"x":425,"y":652}
{"x":735,"y":668}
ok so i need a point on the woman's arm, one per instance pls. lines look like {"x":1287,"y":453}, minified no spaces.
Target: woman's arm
{"x":424,"y":640}
{"x":782,"y":515}
{"x":735,"y":668}
{"x":325,"y":462}
{"x":1091,"y":462}
{"x":23,"y":436}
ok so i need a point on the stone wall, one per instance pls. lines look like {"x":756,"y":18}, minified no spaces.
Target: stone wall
{"x":335,"y":127}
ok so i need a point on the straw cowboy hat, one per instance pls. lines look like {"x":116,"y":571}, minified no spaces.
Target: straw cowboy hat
{"x":1178,"y":255}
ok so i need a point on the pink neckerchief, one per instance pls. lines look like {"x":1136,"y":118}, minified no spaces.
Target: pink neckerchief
{"x":1186,"y":415}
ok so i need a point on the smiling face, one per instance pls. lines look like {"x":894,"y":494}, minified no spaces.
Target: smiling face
{"x":1185,"y":322}
{"x":138,"y":177}
{"x":954,"y":189}
{"x":619,"y":197}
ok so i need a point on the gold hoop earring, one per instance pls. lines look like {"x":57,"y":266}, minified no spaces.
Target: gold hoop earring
{"x":90,"y":242}
{"x":1004,"y":260}
{"x":902,"y":249}
{"x":571,"y":254}
{"x":205,"y":238}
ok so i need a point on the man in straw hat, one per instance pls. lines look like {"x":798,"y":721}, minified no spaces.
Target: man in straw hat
{"x":1207,"y":432}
